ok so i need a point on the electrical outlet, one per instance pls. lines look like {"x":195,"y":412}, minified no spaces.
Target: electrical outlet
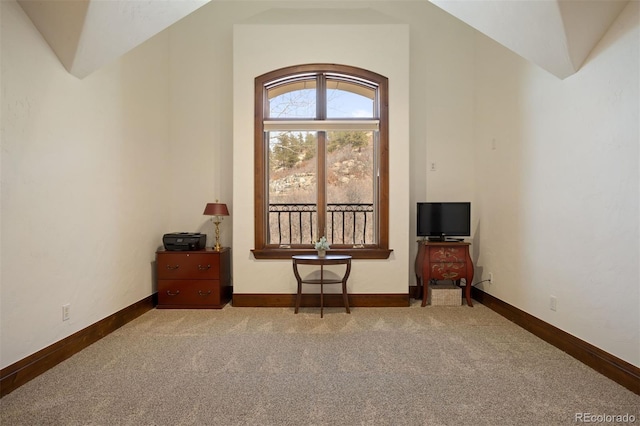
{"x":553,"y":303}
{"x":490,"y":277}
{"x":432,"y":166}
{"x":65,"y":312}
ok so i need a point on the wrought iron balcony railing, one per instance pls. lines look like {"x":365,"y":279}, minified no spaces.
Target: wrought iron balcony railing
{"x":347,"y":223}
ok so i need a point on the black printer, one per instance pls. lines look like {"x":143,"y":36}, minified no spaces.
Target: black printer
{"x":183,"y":241}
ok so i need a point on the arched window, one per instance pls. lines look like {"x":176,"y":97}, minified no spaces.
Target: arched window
{"x":321,"y":161}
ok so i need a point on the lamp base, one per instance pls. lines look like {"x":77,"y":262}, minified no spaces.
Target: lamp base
{"x":217,"y":247}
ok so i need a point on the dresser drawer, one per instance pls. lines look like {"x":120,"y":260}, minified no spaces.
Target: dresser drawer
{"x":176,"y":265}
{"x":200,"y":293}
{"x":448,"y":271}
{"x":447,"y":254}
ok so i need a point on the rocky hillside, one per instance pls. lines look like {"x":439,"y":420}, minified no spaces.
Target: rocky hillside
{"x":347,"y":168}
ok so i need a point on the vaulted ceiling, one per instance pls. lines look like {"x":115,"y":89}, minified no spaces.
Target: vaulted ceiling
{"x":557,"y":35}
{"x":88,"y":34}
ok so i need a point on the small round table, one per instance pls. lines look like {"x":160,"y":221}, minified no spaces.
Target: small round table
{"x":329,"y":259}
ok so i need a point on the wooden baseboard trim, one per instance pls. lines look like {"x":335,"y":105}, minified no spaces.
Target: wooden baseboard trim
{"x":618,"y":370}
{"x":20,"y":372}
{"x":332,"y":300}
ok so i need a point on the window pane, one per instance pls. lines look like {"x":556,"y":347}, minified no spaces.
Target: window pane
{"x":349,"y":100}
{"x":350,"y":187}
{"x":292,"y":188}
{"x":296,"y":99}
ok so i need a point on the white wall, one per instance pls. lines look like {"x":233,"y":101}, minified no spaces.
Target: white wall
{"x":83,"y":199}
{"x":201,"y":115}
{"x":447,"y":110}
{"x":558,"y":196}
{"x":379,"y":48}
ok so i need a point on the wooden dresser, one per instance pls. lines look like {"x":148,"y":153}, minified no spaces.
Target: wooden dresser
{"x":444,"y":261}
{"x":194,"y":279}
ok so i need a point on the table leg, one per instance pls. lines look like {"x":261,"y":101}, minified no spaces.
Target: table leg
{"x":425,"y":291}
{"x":298,"y":296}
{"x":467,"y":293}
{"x":299,"y":279}
{"x":321,"y":289}
{"x":467,"y":288}
{"x":345,"y":297}
{"x":321,"y":297}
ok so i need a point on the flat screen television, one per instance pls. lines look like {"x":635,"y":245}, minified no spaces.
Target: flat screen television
{"x":441,"y":220}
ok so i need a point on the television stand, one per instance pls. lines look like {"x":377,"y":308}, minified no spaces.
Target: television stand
{"x":443,"y":260}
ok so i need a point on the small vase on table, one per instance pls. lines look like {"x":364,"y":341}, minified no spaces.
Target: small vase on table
{"x":322,"y":246}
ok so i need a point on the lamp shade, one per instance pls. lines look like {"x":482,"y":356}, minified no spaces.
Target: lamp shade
{"x":216,"y":209}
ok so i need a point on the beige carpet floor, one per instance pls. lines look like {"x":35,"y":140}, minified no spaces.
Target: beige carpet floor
{"x":267,"y":366}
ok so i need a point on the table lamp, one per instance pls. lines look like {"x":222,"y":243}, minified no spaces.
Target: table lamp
{"x":216,"y":211}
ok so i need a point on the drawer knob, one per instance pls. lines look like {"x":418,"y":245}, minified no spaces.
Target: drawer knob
{"x":204,"y":268}
{"x":173,"y":268}
{"x":201,"y":293}
{"x":173,"y":294}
